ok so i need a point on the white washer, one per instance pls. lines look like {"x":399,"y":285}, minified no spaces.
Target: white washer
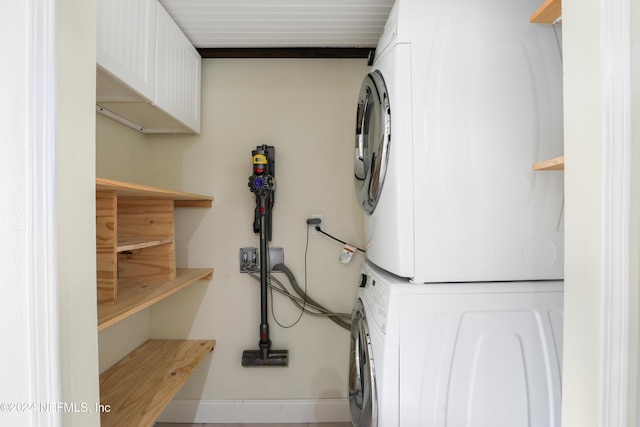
{"x":463,"y":98}
{"x":448,"y":355}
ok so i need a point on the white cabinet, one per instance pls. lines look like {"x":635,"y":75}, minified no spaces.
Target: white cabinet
{"x":126,"y":46}
{"x":148,"y":73}
{"x":177,"y":72}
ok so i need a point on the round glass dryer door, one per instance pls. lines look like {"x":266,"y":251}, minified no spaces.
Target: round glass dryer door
{"x":363,"y":401}
{"x":373,"y":135}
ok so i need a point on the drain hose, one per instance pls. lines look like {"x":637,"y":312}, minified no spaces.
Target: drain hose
{"x":294,"y":283}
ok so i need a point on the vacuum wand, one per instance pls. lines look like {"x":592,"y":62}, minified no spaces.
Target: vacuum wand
{"x":262,"y":184}
{"x":265,"y":342}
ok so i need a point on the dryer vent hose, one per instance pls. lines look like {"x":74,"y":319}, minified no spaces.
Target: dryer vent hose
{"x":294,"y":283}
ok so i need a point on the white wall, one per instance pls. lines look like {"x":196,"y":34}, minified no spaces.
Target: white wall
{"x":123,"y":154}
{"x":583,"y":240}
{"x":75,"y":199}
{"x":306,"y":109}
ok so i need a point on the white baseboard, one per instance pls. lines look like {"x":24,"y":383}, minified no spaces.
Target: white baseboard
{"x":257,"y":411}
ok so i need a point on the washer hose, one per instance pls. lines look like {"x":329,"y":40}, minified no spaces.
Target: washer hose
{"x":294,"y":283}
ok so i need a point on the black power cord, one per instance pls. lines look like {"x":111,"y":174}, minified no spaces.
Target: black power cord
{"x":319,"y":230}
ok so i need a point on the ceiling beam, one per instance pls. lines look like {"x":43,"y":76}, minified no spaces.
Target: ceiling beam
{"x":287,"y":52}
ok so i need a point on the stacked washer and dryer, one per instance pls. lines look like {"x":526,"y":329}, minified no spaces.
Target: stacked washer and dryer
{"x":458,"y":317}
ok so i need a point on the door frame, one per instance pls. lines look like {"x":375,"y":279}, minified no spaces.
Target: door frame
{"x":39,"y":167}
{"x":619,"y":292}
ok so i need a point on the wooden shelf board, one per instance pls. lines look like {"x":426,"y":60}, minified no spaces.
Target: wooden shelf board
{"x":556,"y":164}
{"x":139,"y":387}
{"x":126,"y":189}
{"x":133,"y":244}
{"x":548,"y":13}
{"x":135,"y":295}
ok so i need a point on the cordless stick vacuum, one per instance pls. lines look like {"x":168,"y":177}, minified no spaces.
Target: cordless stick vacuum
{"x":262,"y":184}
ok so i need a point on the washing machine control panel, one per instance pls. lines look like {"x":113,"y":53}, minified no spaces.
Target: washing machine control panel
{"x":377,"y":294}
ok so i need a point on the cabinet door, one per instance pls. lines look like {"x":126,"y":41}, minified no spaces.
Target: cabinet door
{"x":178,"y":66}
{"x":126,"y":43}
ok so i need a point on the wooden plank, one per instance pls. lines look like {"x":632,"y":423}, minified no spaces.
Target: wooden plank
{"x":548,"y":13}
{"x":106,"y":241}
{"x":126,"y":189}
{"x":138,"y":294}
{"x":131,"y":244}
{"x":555,"y":164}
{"x":137,"y":389}
{"x":157,"y":262}
{"x":151,"y":220}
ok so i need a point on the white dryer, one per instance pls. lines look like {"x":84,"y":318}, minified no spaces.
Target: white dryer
{"x":462,"y":99}
{"x":455,"y":354}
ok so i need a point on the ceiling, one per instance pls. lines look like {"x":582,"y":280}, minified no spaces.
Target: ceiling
{"x":268,"y":24}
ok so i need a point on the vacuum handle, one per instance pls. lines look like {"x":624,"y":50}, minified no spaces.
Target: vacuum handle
{"x":265,"y":342}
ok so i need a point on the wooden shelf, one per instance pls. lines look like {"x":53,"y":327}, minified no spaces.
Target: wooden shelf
{"x":126,"y":189}
{"x":137,"y":294}
{"x":548,"y":13}
{"x":135,"y":230}
{"x":136,"y":267}
{"x":556,"y":164}
{"x":135,"y":390}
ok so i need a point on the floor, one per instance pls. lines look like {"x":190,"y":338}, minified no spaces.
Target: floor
{"x":254,"y":425}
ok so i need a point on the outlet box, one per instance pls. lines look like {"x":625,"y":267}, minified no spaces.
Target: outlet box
{"x":313,"y":227}
{"x":250,"y":259}
{"x":276,"y":256}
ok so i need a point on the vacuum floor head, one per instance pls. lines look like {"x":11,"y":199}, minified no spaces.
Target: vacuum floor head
{"x":256,"y":358}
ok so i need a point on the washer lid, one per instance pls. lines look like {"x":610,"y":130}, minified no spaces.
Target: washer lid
{"x":373,"y":135}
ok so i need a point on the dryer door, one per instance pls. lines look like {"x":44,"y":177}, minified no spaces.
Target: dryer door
{"x":363,"y":402}
{"x":373,"y":135}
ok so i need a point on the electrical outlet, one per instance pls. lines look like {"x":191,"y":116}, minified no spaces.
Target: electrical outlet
{"x":249,"y":260}
{"x":313,"y":226}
